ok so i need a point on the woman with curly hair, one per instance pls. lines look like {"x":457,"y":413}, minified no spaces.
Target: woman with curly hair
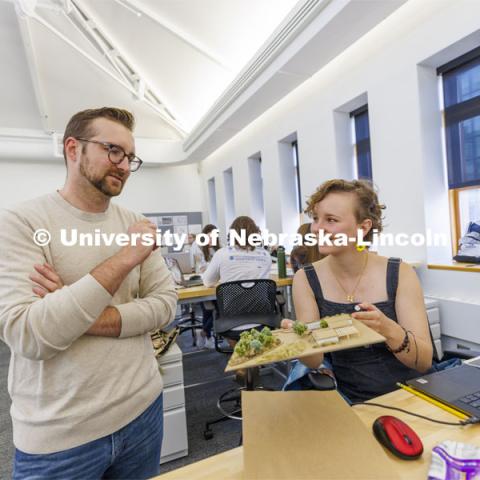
{"x":383,"y":293}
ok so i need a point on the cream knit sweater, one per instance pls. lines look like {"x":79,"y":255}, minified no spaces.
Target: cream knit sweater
{"x":68,"y":388}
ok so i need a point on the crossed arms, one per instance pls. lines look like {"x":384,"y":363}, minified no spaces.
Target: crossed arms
{"x":39,"y":320}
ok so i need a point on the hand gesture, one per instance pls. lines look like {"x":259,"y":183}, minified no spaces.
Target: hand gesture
{"x":372,"y":317}
{"x":286,"y":323}
{"x":138,"y":250}
{"x":46,"y":278}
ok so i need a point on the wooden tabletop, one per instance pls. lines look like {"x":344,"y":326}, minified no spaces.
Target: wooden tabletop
{"x":203,"y":291}
{"x":456,"y":266}
{"x":229,"y":465}
{"x":191,"y":293}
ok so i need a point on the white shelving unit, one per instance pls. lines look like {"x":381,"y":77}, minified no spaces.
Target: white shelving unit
{"x":175,"y":439}
{"x":433,"y":314}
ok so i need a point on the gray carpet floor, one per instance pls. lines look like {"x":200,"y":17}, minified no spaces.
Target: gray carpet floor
{"x":204,"y":380}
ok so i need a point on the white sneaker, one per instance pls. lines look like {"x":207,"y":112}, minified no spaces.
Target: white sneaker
{"x":200,"y":339}
{"x":210,"y":343}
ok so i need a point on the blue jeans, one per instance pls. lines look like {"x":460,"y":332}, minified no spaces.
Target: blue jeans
{"x":131,"y":452}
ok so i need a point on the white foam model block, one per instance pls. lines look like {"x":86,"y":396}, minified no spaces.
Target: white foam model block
{"x":346,"y":331}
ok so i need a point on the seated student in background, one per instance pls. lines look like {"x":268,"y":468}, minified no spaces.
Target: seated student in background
{"x":200,"y":258}
{"x":189,"y":243}
{"x":239,"y":262}
{"x":201,"y":255}
{"x":348,"y":277}
{"x":304,"y":254}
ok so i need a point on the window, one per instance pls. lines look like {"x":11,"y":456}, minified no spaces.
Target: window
{"x":212,"y":201}
{"x":362,"y":143}
{"x":461,"y":112}
{"x":468,"y":207}
{"x":289,"y":188}
{"x":229,"y":197}
{"x":256,"y":189}
{"x":296,"y":167}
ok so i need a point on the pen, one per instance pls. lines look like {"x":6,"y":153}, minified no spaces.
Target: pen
{"x":433,"y":401}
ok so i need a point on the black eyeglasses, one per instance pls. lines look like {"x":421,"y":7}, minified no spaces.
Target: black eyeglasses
{"x":116,"y":154}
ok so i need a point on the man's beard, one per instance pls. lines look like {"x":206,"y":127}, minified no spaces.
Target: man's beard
{"x":102,"y":184}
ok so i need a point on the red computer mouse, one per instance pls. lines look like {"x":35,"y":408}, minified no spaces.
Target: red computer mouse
{"x":397,"y":437}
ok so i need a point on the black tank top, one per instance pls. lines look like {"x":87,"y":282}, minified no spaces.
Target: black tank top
{"x":365,"y":372}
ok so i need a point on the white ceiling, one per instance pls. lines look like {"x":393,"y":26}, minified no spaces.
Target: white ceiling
{"x":194,"y":72}
{"x":187,"y":52}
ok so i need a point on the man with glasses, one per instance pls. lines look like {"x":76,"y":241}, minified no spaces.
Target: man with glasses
{"x":85,"y":386}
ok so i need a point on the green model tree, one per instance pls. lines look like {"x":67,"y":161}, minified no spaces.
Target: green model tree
{"x":253,"y":342}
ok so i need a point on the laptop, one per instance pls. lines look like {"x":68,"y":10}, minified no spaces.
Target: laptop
{"x":458,"y":387}
{"x":183,"y":259}
{"x":178,"y":276}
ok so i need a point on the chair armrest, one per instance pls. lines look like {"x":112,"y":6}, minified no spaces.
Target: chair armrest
{"x":321,"y":381}
{"x":280,"y":299}
{"x":462,"y":353}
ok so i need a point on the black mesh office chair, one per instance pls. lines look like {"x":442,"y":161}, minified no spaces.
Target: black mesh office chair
{"x":241,"y":303}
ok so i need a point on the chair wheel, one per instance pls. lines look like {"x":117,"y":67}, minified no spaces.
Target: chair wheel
{"x":208,"y":434}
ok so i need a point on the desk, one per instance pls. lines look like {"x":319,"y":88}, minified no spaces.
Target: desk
{"x":195,"y":294}
{"x":229,"y":465}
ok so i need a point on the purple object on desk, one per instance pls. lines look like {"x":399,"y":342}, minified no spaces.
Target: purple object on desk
{"x":456,"y":467}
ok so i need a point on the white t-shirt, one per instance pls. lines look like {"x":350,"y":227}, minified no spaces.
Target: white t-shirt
{"x":233,"y":263}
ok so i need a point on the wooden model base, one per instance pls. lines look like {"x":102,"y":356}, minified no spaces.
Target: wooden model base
{"x":343,"y":332}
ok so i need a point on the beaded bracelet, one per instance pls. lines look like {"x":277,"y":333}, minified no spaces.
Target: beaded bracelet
{"x":404,"y":346}
{"x":416,"y":347}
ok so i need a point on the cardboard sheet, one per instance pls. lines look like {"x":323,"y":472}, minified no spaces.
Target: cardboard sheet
{"x":293,"y":346}
{"x":308,"y":435}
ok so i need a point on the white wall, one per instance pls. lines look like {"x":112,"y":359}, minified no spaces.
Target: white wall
{"x":165,"y":189}
{"x":394,"y":65}
{"x":155,"y":189}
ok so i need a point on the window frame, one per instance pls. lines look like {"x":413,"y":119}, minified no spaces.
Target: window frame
{"x":454,"y":202}
{"x":451,"y":115}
